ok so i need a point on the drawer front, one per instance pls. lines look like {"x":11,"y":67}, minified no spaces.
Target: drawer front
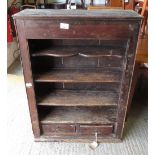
{"x":43,"y":29}
{"x":58,"y":128}
{"x":92,"y":129}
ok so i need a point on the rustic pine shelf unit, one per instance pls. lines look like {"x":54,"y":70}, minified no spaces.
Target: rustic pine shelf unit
{"x":77,"y":68}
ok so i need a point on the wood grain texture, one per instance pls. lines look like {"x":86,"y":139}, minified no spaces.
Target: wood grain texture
{"x":26,"y":64}
{"x":86,"y":115}
{"x":75,"y":131}
{"x":80,"y":139}
{"x":45,"y":88}
{"x":99,"y":129}
{"x":50,"y":29}
{"x":126,"y":81}
{"x":79,"y":98}
{"x":59,"y":68}
{"x":83,"y":75}
{"x":104,"y":14}
{"x":52,"y":129}
{"x":89,"y":51}
{"x":19,"y":130}
{"x":46,"y":63}
{"x":107,"y":45}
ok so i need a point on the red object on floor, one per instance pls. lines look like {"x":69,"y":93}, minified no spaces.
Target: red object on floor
{"x":13,"y":10}
{"x":9,"y":31}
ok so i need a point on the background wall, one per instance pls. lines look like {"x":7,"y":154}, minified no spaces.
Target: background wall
{"x":10,"y":1}
{"x":12,"y":47}
{"x":78,"y":1}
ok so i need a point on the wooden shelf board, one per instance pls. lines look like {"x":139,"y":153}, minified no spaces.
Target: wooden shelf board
{"x":88,"y":115}
{"x":79,"y":98}
{"x":90,"y":51}
{"x":83,"y":75}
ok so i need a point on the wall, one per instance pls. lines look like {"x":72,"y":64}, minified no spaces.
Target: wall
{"x":10,"y":1}
{"x":11,"y":54}
{"x":12,"y":47}
{"x":77,"y":1}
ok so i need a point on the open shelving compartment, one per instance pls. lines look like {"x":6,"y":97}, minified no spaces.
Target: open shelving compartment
{"x":77,"y":84}
{"x":78,"y":67}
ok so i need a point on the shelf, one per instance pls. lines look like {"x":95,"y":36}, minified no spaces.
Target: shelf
{"x":76,"y":75}
{"x":57,"y":52}
{"x":79,"y":98}
{"x":83,"y":115}
{"x":90,"y":51}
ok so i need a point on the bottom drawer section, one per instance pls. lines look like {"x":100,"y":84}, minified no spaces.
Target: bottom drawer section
{"x":99,"y":129}
{"x":57,"y":128}
{"x":76,"y":129}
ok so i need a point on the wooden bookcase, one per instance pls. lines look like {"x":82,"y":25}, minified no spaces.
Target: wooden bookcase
{"x":77,"y":67}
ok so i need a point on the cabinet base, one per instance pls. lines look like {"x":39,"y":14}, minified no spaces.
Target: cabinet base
{"x":77,"y":139}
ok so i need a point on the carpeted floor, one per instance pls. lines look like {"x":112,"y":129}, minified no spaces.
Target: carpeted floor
{"x":21,"y":138}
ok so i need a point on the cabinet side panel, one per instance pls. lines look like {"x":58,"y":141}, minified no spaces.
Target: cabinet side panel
{"x":126,"y":80}
{"x":26,"y":64}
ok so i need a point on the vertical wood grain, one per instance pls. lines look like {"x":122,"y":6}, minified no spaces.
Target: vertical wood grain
{"x":26,"y":64}
{"x":126,"y":81}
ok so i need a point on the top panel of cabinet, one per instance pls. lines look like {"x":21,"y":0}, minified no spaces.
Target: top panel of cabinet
{"x":91,"y":14}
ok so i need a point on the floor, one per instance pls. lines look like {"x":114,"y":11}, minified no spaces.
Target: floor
{"x":21,"y":138}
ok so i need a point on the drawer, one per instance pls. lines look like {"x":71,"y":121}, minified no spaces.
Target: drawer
{"x":92,"y":129}
{"x":58,"y":128}
{"x":48,"y":29}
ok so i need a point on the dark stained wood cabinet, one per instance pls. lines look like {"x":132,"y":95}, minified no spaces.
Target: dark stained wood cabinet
{"x":77,"y":67}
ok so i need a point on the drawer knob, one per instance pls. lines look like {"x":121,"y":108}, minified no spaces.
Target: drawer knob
{"x":94,"y":144}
